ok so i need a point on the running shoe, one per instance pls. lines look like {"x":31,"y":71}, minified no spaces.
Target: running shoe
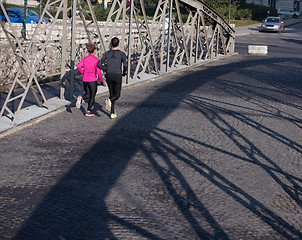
{"x":108,"y":105}
{"x":113,"y":115}
{"x":89,"y":114}
{"x":79,"y":102}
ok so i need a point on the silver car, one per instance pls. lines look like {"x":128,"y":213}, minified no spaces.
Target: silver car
{"x":273,"y":24}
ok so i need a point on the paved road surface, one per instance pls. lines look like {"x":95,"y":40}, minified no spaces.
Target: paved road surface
{"x":214,"y":152}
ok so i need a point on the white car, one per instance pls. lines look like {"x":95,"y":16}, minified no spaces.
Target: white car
{"x":288,"y":12}
{"x":272,"y":24}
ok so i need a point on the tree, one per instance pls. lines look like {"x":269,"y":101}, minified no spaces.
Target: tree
{"x":217,"y":4}
{"x":222,"y":7}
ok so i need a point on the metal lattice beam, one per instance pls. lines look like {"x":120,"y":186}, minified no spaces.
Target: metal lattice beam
{"x":28,"y":64}
{"x":154,"y":46}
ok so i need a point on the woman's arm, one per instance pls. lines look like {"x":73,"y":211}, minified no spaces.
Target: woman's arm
{"x":80,"y":66}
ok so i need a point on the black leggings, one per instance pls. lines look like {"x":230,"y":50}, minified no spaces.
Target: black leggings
{"x":90,"y":89}
{"x":114,"y":82}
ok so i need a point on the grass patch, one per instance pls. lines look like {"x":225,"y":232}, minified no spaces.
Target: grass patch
{"x":242,"y":23}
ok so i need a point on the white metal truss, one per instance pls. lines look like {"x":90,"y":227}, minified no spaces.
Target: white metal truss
{"x":153,"y":46}
{"x":29,"y":57}
{"x":146,"y":51}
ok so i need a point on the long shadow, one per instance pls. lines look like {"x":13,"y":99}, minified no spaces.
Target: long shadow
{"x":268,"y":216}
{"x":231,"y":154}
{"x":293,"y":40}
{"x":249,"y":93}
{"x":286,"y":90}
{"x":76,"y":208}
{"x":250,"y":149}
{"x":186,"y":201}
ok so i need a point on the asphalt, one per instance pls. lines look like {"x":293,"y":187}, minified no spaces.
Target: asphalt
{"x":209,"y":152}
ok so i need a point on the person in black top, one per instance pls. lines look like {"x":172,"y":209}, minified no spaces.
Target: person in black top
{"x":114,"y":64}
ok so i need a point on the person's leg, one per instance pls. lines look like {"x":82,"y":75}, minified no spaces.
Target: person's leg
{"x":92,"y":90}
{"x":117,"y":85}
{"x":109,"y":80}
{"x":86,"y":96}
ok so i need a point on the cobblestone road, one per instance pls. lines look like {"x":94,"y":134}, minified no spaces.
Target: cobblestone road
{"x":210,"y":153}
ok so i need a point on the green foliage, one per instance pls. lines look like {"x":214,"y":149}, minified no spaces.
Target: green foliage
{"x":218,"y":5}
{"x":148,"y":3}
{"x":150,"y":11}
{"x":101,"y":13}
{"x":258,"y":12}
{"x":222,"y":7}
{"x":240,"y":9}
{"x":243,"y":13}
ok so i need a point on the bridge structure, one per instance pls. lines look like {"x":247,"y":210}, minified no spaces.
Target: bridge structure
{"x":181,"y":33}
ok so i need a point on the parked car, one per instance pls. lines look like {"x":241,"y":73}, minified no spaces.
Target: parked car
{"x":16,"y":15}
{"x":288,"y":12}
{"x":273,"y":24}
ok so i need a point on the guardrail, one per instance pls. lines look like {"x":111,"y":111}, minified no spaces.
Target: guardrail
{"x":163,"y":44}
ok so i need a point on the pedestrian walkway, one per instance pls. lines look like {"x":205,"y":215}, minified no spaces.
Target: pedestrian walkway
{"x":32,"y":113}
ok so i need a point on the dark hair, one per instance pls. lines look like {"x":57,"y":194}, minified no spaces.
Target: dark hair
{"x":90,"y":47}
{"x":115,"y":42}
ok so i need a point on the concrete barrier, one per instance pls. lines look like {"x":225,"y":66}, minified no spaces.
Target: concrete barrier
{"x":257,"y":50}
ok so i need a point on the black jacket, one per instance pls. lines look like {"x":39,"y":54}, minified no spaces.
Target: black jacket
{"x":114,"y":61}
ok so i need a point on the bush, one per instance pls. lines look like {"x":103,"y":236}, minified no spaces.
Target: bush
{"x":101,"y":13}
{"x":150,"y":11}
{"x":240,"y":9}
{"x":243,"y":14}
{"x":258,"y":12}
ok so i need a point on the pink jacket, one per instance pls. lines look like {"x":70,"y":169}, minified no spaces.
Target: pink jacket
{"x":88,"y":67}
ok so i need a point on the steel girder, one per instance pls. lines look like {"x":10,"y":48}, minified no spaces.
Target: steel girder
{"x":164,"y":43}
{"x":29,"y":56}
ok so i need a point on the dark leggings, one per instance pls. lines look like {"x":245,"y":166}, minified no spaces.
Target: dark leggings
{"x":114,"y":82}
{"x":90,"y":89}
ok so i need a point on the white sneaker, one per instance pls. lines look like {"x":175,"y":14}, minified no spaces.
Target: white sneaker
{"x":108,"y":105}
{"x":79,"y":102}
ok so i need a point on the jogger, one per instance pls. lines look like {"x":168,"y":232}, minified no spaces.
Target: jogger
{"x":112,"y":63}
{"x":88,"y":67}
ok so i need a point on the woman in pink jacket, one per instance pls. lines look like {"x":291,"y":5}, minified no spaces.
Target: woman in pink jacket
{"x":88,"y":67}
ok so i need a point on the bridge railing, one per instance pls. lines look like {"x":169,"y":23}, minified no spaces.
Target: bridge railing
{"x":170,"y":40}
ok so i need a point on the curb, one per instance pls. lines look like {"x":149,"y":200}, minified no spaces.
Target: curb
{"x":31,"y":122}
